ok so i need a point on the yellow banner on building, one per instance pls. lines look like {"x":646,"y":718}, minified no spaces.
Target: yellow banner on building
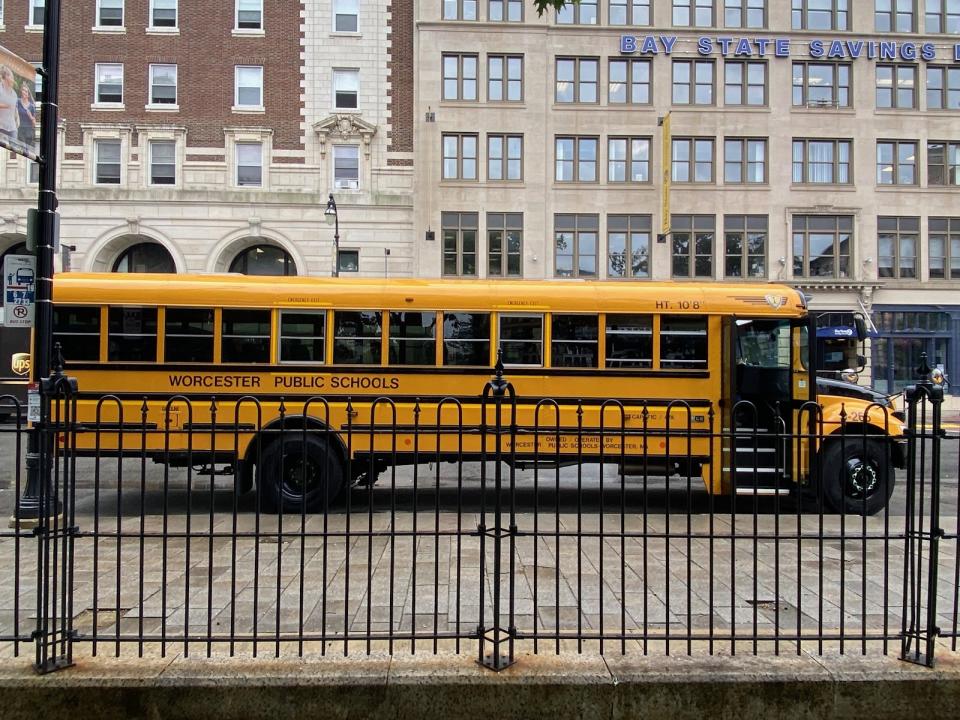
{"x":665,"y":174}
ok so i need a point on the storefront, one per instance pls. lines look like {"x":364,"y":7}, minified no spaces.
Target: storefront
{"x":904,"y":334}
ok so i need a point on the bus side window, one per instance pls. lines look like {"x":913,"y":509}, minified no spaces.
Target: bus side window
{"x":683,"y":343}
{"x":521,"y":339}
{"x":413,"y":338}
{"x":302,"y":337}
{"x":356,"y":337}
{"x":574,"y":341}
{"x":188,"y":334}
{"x":246,"y":336}
{"x":132,"y":334}
{"x":77,"y":329}
{"x":466,"y":339}
{"x":629,"y":341}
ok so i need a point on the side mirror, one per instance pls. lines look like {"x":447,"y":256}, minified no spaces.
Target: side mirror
{"x":861,"y":363}
{"x":861,"y":327}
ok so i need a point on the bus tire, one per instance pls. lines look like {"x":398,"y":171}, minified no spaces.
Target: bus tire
{"x":300,"y":472}
{"x":858,"y":477}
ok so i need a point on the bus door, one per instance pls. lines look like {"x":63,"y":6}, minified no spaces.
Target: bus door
{"x":762,"y":402}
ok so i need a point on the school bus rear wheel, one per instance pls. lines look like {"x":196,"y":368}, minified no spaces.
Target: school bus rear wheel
{"x":300,"y":472}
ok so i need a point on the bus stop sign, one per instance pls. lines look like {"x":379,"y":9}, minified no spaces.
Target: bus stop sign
{"x":19,"y":290}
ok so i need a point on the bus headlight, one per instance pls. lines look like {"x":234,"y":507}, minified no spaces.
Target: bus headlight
{"x":936,"y":376}
{"x":849,"y":375}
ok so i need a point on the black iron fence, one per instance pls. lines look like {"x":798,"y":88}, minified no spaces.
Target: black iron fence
{"x":497,"y":525}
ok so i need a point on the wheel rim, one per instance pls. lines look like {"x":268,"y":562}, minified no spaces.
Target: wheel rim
{"x":861,"y":479}
{"x":301,"y":476}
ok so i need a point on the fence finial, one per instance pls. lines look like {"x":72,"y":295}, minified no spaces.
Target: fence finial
{"x":923,"y":369}
{"x":57,"y":359}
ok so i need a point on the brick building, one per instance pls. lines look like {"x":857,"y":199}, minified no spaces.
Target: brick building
{"x":206,"y":136}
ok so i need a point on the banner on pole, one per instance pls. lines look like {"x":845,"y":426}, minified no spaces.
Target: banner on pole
{"x":19,"y":110}
{"x":666,"y":159}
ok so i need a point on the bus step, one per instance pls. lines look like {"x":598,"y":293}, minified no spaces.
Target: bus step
{"x":762,"y":491}
{"x":749,"y":470}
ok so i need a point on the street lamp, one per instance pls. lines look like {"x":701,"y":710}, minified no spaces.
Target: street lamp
{"x":330,"y":215}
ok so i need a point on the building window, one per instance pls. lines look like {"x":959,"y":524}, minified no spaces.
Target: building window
{"x":576,"y":159}
{"x":629,"y":12}
{"x":693,"y":13}
{"x":459,"y":9}
{"x":346,"y":89}
{"x":346,"y":16}
{"x":896,"y":86}
{"x":459,"y":231}
{"x":896,"y":162}
{"x":108,"y":162}
{"x":163,"y":162}
{"x":348,"y":261}
{"x":744,"y":83}
{"x":249,"y":164}
{"x":943,"y":163}
{"x":744,"y":13}
{"x":505,"y":157}
{"x":820,"y":15}
{"x":505,"y":73}
{"x":109,"y":13}
{"x":745,"y":246}
{"x":692,"y":250}
{"x":459,"y":77}
{"x":514,"y":11}
{"x":36,"y":12}
{"x":822,"y":161}
{"x":109,"y":83}
{"x":505,"y":244}
{"x":249,"y":86}
{"x":575,"y":245}
{"x":897,"y":240}
{"x":163,"y":84}
{"x":459,"y":156}
{"x":628,"y":246}
{"x":163,"y":13}
{"x":692,"y":160}
{"x":822,"y":245}
{"x":249,"y":15}
{"x":629,"y":82}
{"x":581,"y":13}
{"x":145,"y":257}
{"x":821,"y":84}
{"x":894,"y":16}
{"x":744,"y":160}
{"x":942,"y":16}
{"x":943,"y":87}
{"x":944,"y":240}
{"x":346,"y":167}
{"x":628,"y":160}
{"x":692,"y":82}
{"x":264,"y":260}
{"x":577,"y":80}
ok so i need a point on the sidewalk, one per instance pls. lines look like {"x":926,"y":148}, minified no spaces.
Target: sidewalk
{"x":569,"y":686}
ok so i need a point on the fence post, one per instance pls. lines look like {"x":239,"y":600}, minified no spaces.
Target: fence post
{"x":497,"y":389}
{"x":56,"y":529}
{"x":920,"y":631}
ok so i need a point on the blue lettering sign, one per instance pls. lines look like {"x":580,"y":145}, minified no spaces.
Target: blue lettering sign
{"x":888,"y":50}
{"x":762,"y":46}
{"x":704,"y":46}
{"x":724,"y":44}
{"x":816,"y":48}
{"x":649,"y":45}
{"x":855,"y":48}
{"x":928,"y":51}
{"x":668,"y":41}
{"x":956,"y":52}
{"x":836,"y":50}
{"x":743,"y":48}
{"x":781,"y":47}
{"x":908,"y":51}
{"x":628,"y":44}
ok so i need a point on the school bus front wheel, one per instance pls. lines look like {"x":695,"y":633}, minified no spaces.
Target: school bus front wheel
{"x":857,"y":474}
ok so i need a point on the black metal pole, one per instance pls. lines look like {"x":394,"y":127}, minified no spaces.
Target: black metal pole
{"x":38,"y":456}
{"x":331,"y":203}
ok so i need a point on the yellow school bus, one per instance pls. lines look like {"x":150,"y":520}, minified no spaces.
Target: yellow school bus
{"x":710,"y":379}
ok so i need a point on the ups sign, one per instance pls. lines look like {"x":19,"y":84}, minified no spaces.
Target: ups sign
{"x":20,"y":363}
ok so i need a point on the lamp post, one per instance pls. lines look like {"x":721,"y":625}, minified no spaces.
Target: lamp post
{"x":330,"y":214}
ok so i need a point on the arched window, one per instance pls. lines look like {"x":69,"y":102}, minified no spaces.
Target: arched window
{"x":147,"y":257}
{"x":263,"y":260}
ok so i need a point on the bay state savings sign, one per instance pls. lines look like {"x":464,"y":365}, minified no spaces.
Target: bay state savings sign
{"x":742,"y":47}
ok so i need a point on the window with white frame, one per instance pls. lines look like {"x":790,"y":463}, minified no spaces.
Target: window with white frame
{"x":346,"y":15}
{"x":163,"y":13}
{"x":249,"y":164}
{"x":346,"y":89}
{"x":346,"y":167}
{"x":163,"y":84}
{"x":249,"y":86}
{"x":249,"y":15}
{"x":36,"y":12}
{"x":109,"y":13}
{"x":109,"y":83}
{"x":163,"y":162}
{"x":107,"y":155}
{"x":629,"y":12}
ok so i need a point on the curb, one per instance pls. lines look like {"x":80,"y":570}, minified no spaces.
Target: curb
{"x":451,"y":686}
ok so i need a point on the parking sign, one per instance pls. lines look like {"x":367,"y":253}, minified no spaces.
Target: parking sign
{"x":19,"y":290}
